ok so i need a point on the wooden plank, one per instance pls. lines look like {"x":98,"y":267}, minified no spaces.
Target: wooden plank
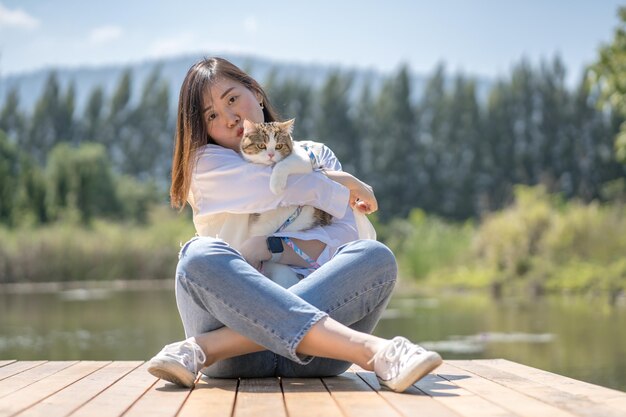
{"x":509,"y":399}
{"x":308,"y":397}
{"x":410,"y":403}
{"x":573,"y":403}
{"x":596,"y":393}
{"x":118,"y":397}
{"x":458,"y":399}
{"x":73,"y":396}
{"x":4,"y":363}
{"x":259,"y":397}
{"x":17,"y":367}
{"x":35,"y":392}
{"x":23,"y":379}
{"x":163,"y":399}
{"x":356,"y":398}
{"x":211,"y":398}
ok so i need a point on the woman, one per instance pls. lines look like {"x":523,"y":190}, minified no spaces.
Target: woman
{"x":239,"y":323}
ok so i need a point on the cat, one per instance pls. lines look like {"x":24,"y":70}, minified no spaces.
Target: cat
{"x":271,"y":144}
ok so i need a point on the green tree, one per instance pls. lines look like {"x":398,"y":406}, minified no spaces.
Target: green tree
{"x":146,"y":138}
{"x":80,"y":183}
{"x":12,"y":121}
{"x":366,"y":129}
{"x":432,"y":113}
{"x":292,"y":99}
{"x":9,"y":179}
{"x":118,"y":119}
{"x":460,"y":159}
{"x":52,"y":120}
{"x":93,"y":118}
{"x":608,"y":76}
{"x":553,"y":153}
{"x":396,"y":152}
{"x":22,"y":188}
{"x":334,"y":125}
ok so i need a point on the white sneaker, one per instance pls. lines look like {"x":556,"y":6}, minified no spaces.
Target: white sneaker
{"x":401,"y":363}
{"x":178,"y":363}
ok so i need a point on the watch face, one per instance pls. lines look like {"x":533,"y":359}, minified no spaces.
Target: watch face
{"x":275,"y":244}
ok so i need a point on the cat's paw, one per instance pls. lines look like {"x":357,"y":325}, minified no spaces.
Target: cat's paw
{"x":278,"y":183}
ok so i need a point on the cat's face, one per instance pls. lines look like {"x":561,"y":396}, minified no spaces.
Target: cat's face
{"x":266,"y":143}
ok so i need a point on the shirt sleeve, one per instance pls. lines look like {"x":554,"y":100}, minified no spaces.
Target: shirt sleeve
{"x":342,"y":230}
{"x":225,"y":183}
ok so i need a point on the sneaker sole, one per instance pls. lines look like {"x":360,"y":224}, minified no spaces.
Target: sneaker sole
{"x":172,"y":372}
{"x":411,"y":376}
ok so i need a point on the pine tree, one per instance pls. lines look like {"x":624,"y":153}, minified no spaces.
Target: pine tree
{"x":432,"y":113}
{"x":118,"y":119}
{"x":144,"y":146}
{"x":12,"y":121}
{"x":9,"y":179}
{"x":396,"y":151}
{"x":292,"y":98}
{"x":366,"y":129}
{"x":42,"y":130}
{"x":92,"y":122}
{"x":334,"y":125}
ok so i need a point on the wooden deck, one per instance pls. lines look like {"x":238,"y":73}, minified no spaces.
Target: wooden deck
{"x":458,"y":388}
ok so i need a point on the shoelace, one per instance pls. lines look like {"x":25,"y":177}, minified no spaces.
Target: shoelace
{"x":188,"y":352}
{"x":399,"y":346}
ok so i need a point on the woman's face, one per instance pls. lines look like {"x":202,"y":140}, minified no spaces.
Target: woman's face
{"x":225,"y":106}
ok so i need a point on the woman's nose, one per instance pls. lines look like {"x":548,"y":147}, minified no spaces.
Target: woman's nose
{"x":233,"y":120}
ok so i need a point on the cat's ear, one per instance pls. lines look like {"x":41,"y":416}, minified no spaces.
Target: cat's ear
{"x":248,"y":126}
{"x":288,"y":125}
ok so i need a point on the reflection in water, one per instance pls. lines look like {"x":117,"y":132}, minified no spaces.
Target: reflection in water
{"x":574,"y":337}
{"x":477,"y":343}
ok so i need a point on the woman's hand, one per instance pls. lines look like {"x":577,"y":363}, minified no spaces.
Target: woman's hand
{"x":362,"y":196}
{"x":255,"y":251}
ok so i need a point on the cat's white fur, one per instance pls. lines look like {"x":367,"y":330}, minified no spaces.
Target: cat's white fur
{"x":298,"y":162}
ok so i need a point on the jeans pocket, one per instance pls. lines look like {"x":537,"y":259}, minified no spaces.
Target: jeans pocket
{"x":183,"y":247}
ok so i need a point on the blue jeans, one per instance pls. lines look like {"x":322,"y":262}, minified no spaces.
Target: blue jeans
{"x":216,"y":287}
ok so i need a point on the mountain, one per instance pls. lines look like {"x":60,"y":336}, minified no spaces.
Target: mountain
{"x":173,"y":70}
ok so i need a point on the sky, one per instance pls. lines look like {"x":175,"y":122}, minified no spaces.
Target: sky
{"x":479,"y":38}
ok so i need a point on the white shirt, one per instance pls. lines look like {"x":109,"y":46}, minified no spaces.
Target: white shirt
{"x":225,"y":189}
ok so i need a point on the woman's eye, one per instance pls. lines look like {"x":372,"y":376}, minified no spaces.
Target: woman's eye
{"x":260,"y":145}
{"x":211,"y":117}
{"x":232,"y":99}
{"x":279,"y":146}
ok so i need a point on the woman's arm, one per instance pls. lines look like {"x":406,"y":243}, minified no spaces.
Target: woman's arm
{"x":362,"y":195}
{"x":224,"y":183}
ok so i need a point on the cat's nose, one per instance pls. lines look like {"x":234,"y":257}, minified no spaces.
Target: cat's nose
{"x":270,"y":155}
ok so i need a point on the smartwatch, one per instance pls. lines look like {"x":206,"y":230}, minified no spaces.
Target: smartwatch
{"x":275,"y":246}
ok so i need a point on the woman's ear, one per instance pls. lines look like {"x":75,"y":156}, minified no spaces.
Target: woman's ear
{"x":259,"y":96}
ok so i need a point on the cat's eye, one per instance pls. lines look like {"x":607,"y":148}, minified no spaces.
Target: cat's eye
{"x":260,"y":145}
{"x":279,"y":146}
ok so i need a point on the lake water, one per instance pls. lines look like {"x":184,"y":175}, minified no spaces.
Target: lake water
{"x":581,"y":338}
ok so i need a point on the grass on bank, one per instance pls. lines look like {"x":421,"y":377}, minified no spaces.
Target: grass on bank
{"x":105,"y":250}
{"x":539,"y":244}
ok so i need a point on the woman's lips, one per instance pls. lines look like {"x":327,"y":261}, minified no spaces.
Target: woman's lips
{"x":240,"y":132}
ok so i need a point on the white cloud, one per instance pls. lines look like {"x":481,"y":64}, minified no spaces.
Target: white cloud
{"x":174,"y":45}
{"x":17,"y":18}
{"x":250,"y":24}
{"x":105,"y":34}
